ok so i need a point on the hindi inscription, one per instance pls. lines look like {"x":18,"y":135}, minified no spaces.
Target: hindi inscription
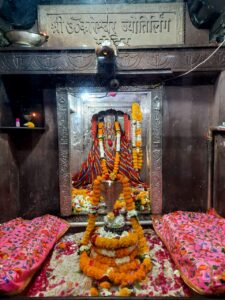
{"x":122,"y":25}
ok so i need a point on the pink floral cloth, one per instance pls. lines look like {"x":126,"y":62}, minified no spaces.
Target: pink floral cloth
{"x":24,"y":245}
{"x":196,"y":242}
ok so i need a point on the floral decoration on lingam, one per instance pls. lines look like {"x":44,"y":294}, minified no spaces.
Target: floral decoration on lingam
{"x":115,"y":254}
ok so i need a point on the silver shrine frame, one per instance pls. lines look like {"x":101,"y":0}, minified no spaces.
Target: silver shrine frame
{"x":62,"y":99}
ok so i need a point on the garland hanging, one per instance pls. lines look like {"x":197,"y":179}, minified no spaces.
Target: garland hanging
{"x":124,"y":271}
{"x":136,"y":130}
{"x":105,"y":170}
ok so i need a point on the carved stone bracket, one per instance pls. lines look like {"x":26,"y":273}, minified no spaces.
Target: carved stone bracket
{"x":43,"y":61}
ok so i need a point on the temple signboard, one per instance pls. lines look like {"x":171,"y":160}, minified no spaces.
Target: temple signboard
{"x":125,"y":25}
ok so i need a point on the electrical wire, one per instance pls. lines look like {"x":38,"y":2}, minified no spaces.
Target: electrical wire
{"x":158,"y":84}
{"x":198,"y":65}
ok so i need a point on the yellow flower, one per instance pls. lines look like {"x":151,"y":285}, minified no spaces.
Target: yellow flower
{"x":124,"y":292}
{"x":143,"y":201}
{"x":119,"y":204}
{"x":136,"y":112}
{"x":111,"y":216}
{"x":29,"y":124}
{"x":112,"y":176}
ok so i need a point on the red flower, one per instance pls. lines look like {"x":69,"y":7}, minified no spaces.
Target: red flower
{"x":91,"y":263}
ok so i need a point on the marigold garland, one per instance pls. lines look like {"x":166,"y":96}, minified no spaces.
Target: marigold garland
{"x":88,"y":268}
{"x":112,"y":261}
{"x":126,"y":267}
{"x":142,"y":243}
{"x":136,"y":112}
{"x":130,"y":205}
{"x":95,"y":198}
{"x":109,"y":243}
{"x":89,"y":229}
{"x":101,"y":266}
{"x":137,"y":153}
{"x":118,"y":275}
{"x":126,"y":279}
{"x":118,"y":253}
{"x":105,"y":170}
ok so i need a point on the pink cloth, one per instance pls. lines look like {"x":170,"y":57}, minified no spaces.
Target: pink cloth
{"x":196,"y":242}
{"x":24,"y":245}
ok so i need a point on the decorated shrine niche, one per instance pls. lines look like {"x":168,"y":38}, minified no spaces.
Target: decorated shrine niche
{"x":109,"y":135}
{"x":109,"y":180}
{"x":116,"y":148}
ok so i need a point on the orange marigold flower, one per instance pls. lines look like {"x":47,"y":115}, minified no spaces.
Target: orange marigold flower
{"x":105,"y":285}
{"x":138,"y":143}
{"x":94,"y":292}
{"x":62,"y":245}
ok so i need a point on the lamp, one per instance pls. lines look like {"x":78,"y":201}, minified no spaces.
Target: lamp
{"x":105,"y":53}
{"x":106,"y":61}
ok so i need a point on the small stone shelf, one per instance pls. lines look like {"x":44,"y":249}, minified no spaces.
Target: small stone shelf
{"x":5,"y":128}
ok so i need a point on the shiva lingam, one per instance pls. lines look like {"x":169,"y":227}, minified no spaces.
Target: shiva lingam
{"x":114,"y":254}
{"x":110,"y":191}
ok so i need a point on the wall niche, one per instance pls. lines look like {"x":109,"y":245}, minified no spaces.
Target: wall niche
{"x":29,"y":155}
